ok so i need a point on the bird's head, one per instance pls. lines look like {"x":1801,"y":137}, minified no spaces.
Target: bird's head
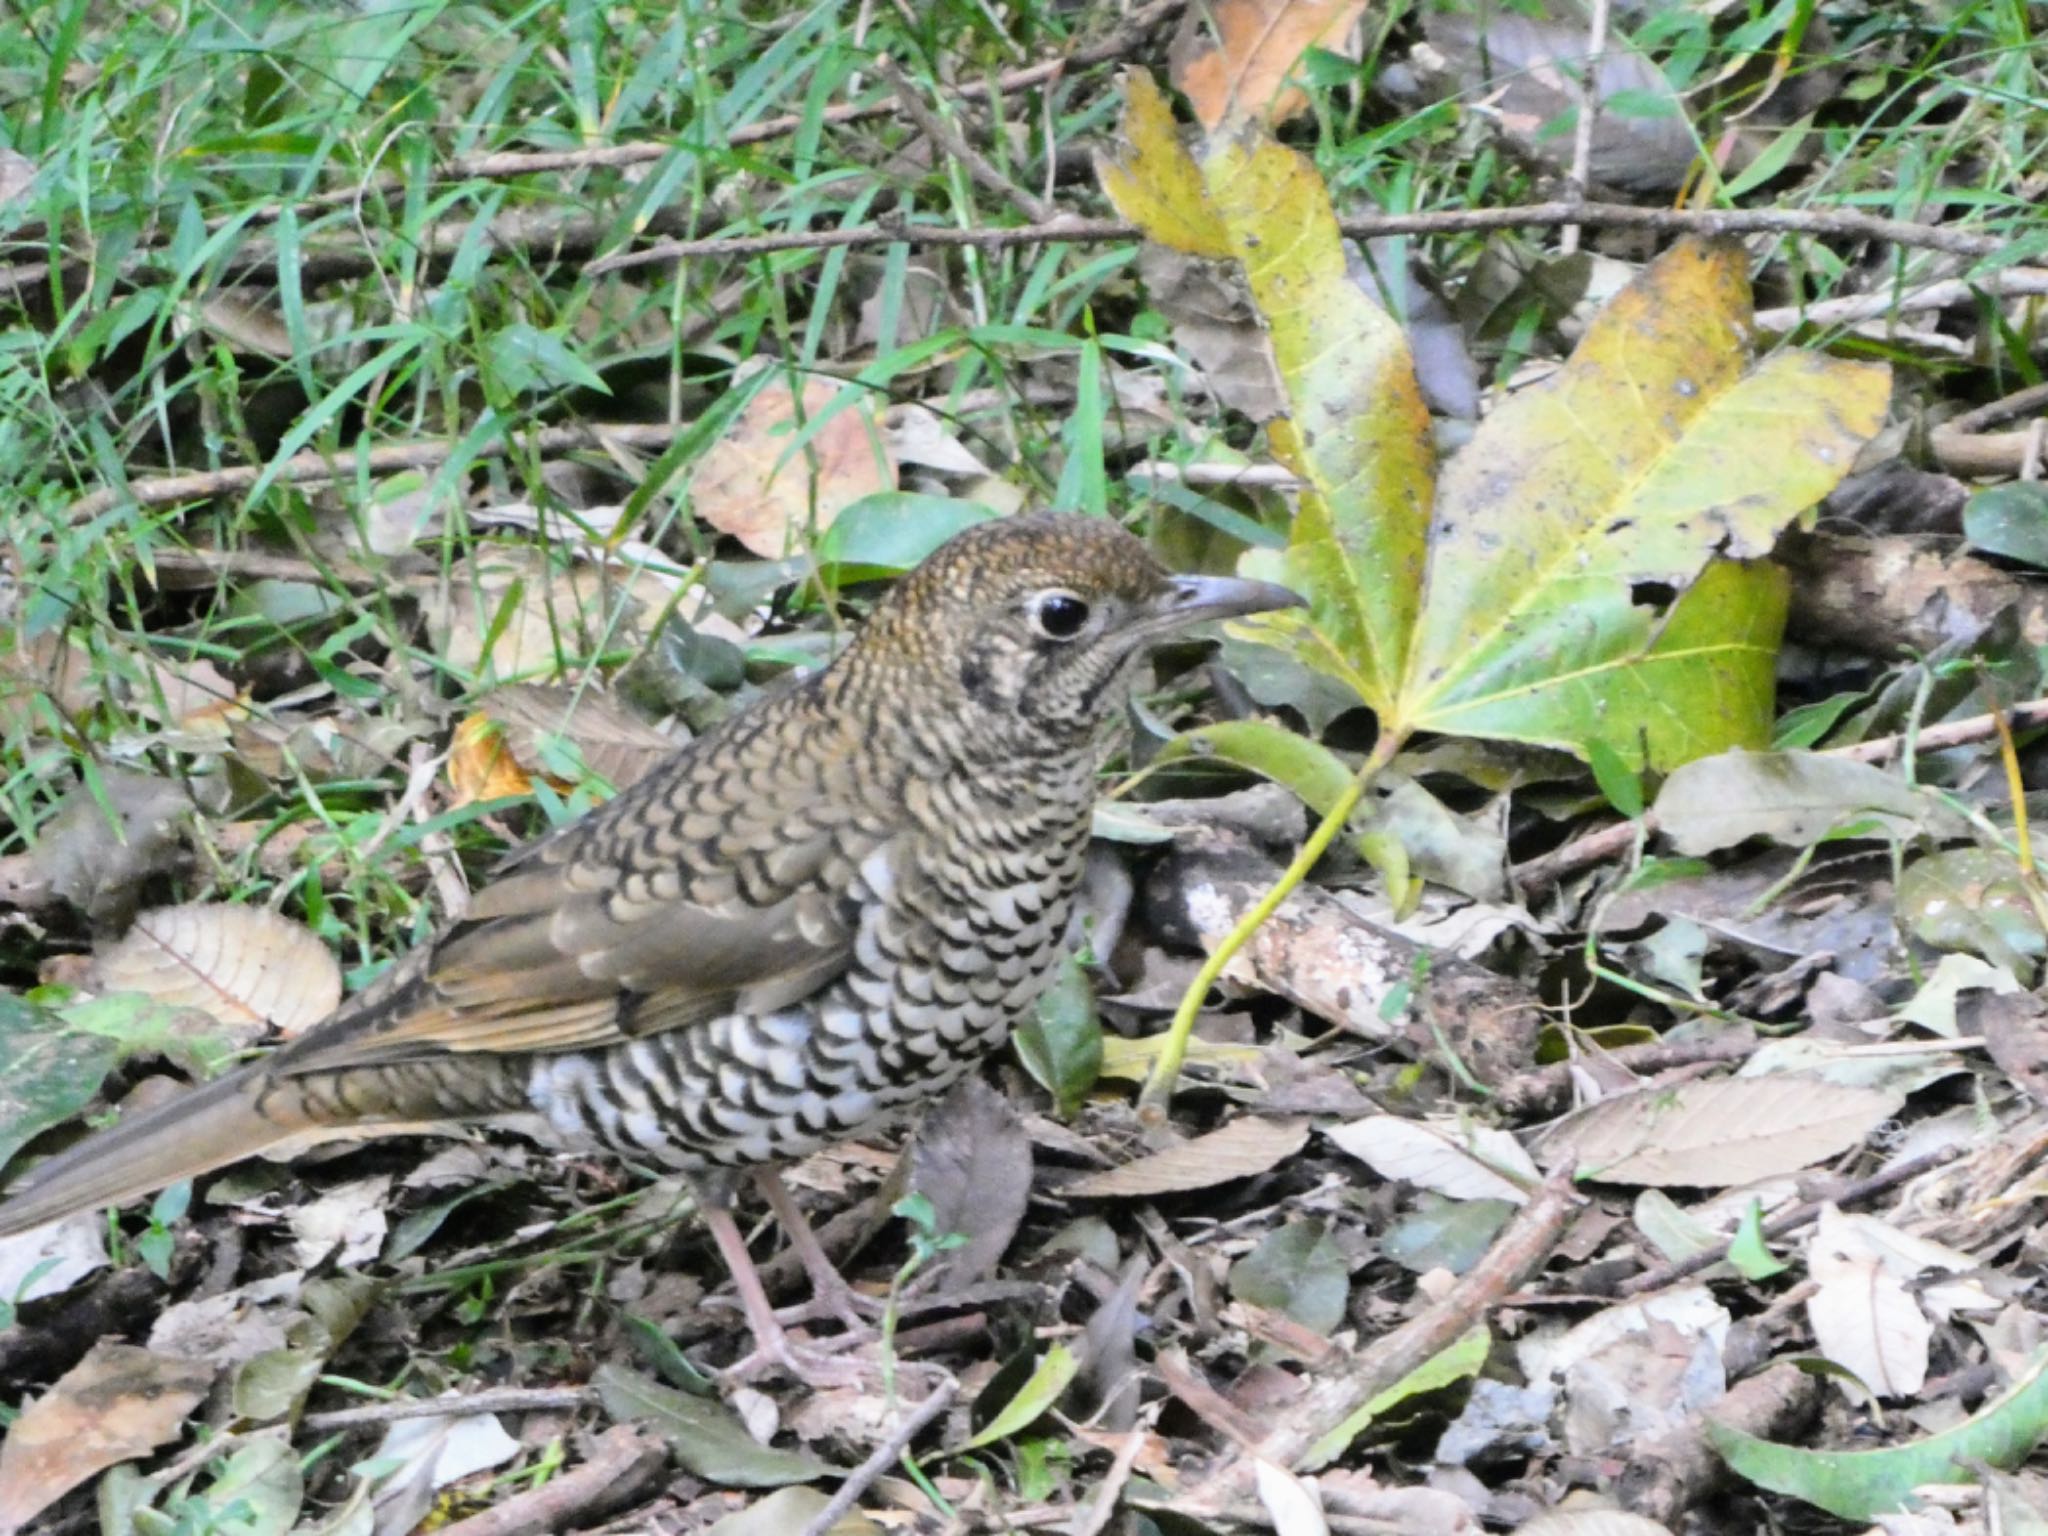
{"x":1035,"y":621}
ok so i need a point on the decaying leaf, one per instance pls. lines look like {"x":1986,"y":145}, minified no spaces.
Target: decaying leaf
{"x":97,"y":856}
{"x":2015,"y":1029}
{"x":248,"y":967}
{"x":1714,"y":1134}
{"x":47,"y":1073}
{"x":118,"y":1402}
{"x":757,"y":484}
{"x":705,"y":1436}
{"x":1246,"y":1146}
{"x":972,"y":1160}
{"x":1242,"y":76}
{"x":50,"y":1259}
{"x":427,"y":1454}
{"x":1794,"y":798}
{"x":511,"y":612}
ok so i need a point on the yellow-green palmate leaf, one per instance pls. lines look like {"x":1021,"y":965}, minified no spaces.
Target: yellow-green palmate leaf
{"x":1357,"y":433}
{"x":1653,"y":450}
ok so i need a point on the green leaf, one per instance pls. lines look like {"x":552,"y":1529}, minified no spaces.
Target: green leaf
{"x":47,"y":1075}
{"x":1972,"y":899}
{"x":1297,"y":1269}
{"x":1054,"y":1374}
{"x":1861,"y":1485}
{"x":891,"y":531}
{"x":1656,"y":695}
{"x":704,"y":1435}
{"x":1749,"y":1251}
{"x":1061,"y":1043}
{"x":1467,"y":1357}
{"x":2010,"y":520}
{"x":524,"y":357}
{"x":1620,"y":783}
{"x":1311,"y":770}
{"x":1358,"y":432}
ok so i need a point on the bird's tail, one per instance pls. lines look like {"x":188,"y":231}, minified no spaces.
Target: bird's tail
{"x":223,"y":1122}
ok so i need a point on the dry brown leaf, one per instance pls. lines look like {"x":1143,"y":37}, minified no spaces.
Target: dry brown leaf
{"x":1240,"y":1149}
{"x":1716,"y":1134}
{"x":1242,"y":75}
{"x":539,"y":619}
{"x":118,"y":1402}
{"x":246,"y":966}
{"x":751,"y":486}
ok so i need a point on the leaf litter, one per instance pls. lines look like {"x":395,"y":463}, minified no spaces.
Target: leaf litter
{"x":1561,"y":610}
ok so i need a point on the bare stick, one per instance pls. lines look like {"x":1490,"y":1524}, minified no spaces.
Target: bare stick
{"x":1589,"y":115}
{"x":624,"y":1463}
{"x":1716,"y":221}
{"x":497,"y":1400}
{"x":882,"y":1458}
{"x":1796,"y":1217}
{"x":313,"y":465}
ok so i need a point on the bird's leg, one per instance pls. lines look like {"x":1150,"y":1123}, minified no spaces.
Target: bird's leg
{"x":772,"y":1344}
{"x":829,"y":1289}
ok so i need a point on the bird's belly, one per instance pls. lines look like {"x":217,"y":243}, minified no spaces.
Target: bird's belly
{"x":741,"y":1090}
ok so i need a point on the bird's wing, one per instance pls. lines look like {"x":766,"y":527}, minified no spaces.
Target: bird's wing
{"x":725,"y":880}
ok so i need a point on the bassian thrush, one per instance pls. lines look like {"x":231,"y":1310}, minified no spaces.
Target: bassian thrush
{"x":824,"y":910}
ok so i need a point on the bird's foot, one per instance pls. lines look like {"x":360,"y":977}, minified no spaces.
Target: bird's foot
{"x":816,"y":1366}
{"x":855,"y":1310}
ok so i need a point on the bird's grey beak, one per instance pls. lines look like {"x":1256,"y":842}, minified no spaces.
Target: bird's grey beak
{"x":1192,"y":599}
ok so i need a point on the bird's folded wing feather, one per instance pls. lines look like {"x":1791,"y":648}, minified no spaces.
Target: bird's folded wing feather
{"x":627,"y":924}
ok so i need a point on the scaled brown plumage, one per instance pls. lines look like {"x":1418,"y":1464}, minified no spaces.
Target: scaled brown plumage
{"x":828,"y":908}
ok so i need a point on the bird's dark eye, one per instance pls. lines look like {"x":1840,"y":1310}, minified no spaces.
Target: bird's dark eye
{"x":1059,"y":615}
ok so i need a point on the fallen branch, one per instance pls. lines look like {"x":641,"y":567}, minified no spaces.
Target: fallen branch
{"x":1545,"y":1091}
{"x":1335,"y":964}
{"x":316,"y":465}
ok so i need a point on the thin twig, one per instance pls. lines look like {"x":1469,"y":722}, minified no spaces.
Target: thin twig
{"x":1589,"y":114}
{"x":2017,"y":403}
{"x":1797,"y":1216}
{"x":1310,"y":1420}
{"x":314,"y":465}
{"x":1841,"y":224}
{"x":950,"y":142}
{"x":884,"y":1456}
{"x":1093,"y":1520}
{"x":2011,"y":282}
{"x":496,"y":1400}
